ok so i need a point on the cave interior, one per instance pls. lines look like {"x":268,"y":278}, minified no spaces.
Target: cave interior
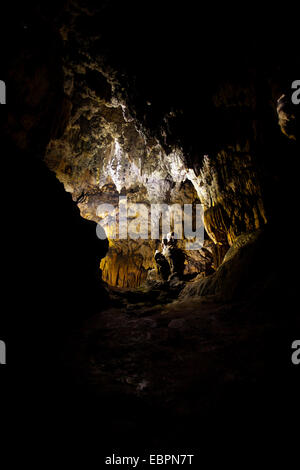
{"x":164,"y":104}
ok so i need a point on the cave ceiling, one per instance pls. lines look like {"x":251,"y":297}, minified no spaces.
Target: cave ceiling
{"x":163,"y":106}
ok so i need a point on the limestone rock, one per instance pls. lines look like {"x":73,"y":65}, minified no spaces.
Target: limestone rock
{"x":287,"y":116}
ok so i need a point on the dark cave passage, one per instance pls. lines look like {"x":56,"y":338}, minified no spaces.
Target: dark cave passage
{"x":109,"y":100}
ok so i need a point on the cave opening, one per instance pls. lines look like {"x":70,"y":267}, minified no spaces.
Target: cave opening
{"x":104,"y":124}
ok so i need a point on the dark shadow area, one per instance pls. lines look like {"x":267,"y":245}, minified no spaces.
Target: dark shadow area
{"x":91,"y":372}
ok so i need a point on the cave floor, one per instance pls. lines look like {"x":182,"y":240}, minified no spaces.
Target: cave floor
{"x":150,"y":362}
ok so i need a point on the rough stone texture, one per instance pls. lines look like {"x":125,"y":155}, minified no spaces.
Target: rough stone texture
{"x":118,"y":126}
{"x":232,"y":280}
{"x":287,"y":116}
{"x":103,"y":153}
{"x":151,"y":366}
{"x":229,"y":190}
{"x":121,"y":121}
{"x":111,"y":146}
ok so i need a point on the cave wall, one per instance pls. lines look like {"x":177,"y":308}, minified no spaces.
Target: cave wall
{"x":157,"y":115}
{"x":108,"y":147}
{"x":104,"y":152}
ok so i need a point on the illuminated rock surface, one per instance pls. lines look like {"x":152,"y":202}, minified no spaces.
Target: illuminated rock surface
{"x":118,"y":126}
{"x":160,"y":105}
{"x":114,"y":143}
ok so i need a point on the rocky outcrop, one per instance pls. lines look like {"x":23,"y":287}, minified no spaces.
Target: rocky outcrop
{"x":229,"y":190}
{"x":287,"y":116}
{"x":137,"y":121}
{"x":103,"y":154}
{"x":231,"y":279}
{"x":238,"y":277}
{"x":161,"y":104}
{"x":108,"y":149}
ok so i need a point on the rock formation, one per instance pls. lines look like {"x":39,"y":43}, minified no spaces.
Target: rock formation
{"x":113,"y":128}
{"x":162,"y":104}
{"x":112,"y":144}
